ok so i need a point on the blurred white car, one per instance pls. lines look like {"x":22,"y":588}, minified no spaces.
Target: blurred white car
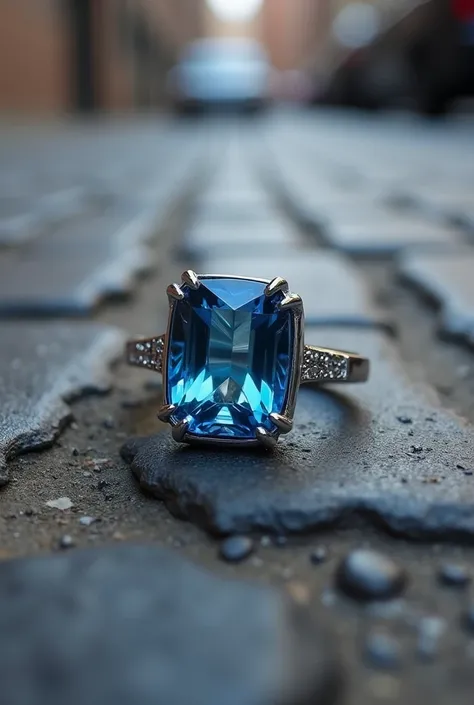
{"x":221,"y":73}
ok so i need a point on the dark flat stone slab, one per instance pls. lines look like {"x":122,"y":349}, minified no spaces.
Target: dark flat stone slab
{"x":134,"y":624}
{"x":447,"y":279}
{"x":332,"y":289}
{"x":42,"y":367}
{"x":349,"y":456}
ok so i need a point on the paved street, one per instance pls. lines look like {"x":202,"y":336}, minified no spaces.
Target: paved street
{"x":364,"y":515}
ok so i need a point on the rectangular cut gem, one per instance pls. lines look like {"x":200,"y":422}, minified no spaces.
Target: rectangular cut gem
{"x":229,"y":362}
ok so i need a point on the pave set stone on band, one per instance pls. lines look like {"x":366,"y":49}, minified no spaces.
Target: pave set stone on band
{"x":233,"y":358}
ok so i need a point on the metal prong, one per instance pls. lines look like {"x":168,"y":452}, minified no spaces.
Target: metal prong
{"x":291,"y":301}
{"x":165,"y":412}
{"x":174,"y":292}
{"x":276,"y":284}
{"x":179,"y":431}
{"x":191,"y":279}
{"x":283,"y":424}
{"x":265,"y":437}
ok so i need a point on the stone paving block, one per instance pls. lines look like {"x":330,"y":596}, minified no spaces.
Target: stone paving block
{"x":42,"y":367}
{"x":447,"y":278}
{"x":19,"y":228}
{"x":258,"y":237}
{"x":137,"y":625}
{"x":61,"y":204}
{"x":332,"y":289}
{"x":383,"y":451}
{"x":383,"y":233}
{"x":451,"y":202}
{"x":67,"y":288}
{"x":239,"y":207}
{"x":29,"y":217}
{"x":72,"y":270}
{"x":119,"y":227}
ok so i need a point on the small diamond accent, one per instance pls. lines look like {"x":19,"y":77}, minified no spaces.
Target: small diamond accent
{"x":323,"y":365}
{"x":147,"y":353}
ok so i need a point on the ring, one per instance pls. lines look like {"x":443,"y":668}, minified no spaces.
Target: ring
{"x":233,"y":357}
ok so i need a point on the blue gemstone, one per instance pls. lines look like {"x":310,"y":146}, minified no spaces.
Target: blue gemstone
{"x":229,"y":358}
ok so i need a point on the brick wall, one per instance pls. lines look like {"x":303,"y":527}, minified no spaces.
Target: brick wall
{"x":33,"y":57}
{"x":132,"y":45}
{"x":290,"y":30}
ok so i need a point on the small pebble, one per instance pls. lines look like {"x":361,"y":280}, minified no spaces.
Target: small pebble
{"x":131,"y":403}
{"x":75,"y":452}
{"x":369,"y":575}
{"x":66,"y":541}
{"x":102,"y":484}
{"x":454,"y":575}
{"x":280,"y":541}
{"x":382,"y":651}
{"x":429,"y":634}
{"x":61,"y":503}
{"x":404,"y":419}
{"x":236,"y":548}
{"x":108,"y":422}
{"x":318,"y":555}
{"x":467,"y":619}
{"x":87,"y":521}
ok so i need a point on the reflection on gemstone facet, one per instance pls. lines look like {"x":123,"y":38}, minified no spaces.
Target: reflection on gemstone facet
{"x":229,"y":358}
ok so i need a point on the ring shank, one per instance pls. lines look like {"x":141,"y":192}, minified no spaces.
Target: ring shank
{"x":320,"y":365}
{"x":323,"y":365}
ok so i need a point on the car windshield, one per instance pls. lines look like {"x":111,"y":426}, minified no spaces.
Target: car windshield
{"x":224,"y":55}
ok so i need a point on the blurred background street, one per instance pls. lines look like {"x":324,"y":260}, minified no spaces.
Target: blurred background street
{"x":329,"y":142}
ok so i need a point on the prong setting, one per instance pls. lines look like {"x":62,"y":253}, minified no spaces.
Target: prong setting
{"x":291,"y":301}
{"x":166,"y":411}
{"x":180,"y":429}
{"x":283,"y":423}
{"x":276,"y":284}
{"x":265,"y":438}
{"x":175,"y":292}
{"x":190,"y":278}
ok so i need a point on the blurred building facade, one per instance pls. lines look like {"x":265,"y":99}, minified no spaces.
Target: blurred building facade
{"x":83,"y":55}
{"x":292,"y":30}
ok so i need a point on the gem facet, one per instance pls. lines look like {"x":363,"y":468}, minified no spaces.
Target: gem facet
{"x":229,"y":362}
